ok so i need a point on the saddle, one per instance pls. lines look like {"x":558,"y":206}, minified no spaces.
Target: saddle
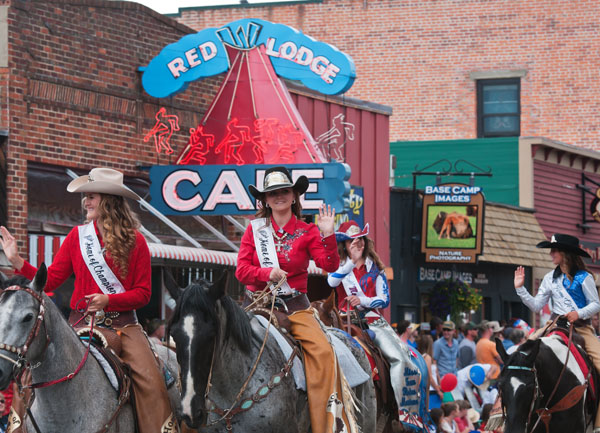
{"x":386,"y":402}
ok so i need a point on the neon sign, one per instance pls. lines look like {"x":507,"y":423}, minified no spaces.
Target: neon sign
{"x":222,"y":189}
{"x":162,"y":130}
{"x":266,"y":142}
{"x":295,"y":56}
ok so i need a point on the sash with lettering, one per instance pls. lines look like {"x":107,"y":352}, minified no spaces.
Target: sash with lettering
{"x":265,"y":249}
{"x":352,"y":286}
{"x":94,"y":260}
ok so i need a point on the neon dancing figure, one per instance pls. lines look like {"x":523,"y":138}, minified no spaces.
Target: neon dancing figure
{"x":235,"y":139}
{"x":198,"y":146}
{"x":329,"y":139}
{"x":162,"y":130}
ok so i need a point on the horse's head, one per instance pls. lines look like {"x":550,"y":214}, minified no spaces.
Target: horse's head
{"x":518,"y":385}
{"x":21,"y":316}
{"x":204,"y":320}
{"x":327,"y":311}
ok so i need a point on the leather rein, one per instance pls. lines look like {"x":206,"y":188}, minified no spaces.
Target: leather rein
{"x":566,"y":402}
{"x":20,"y":364}
{"x":275,"y":380}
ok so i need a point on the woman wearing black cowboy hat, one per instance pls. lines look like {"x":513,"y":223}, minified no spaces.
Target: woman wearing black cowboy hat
{"x":572,"y":290}
{"x":277,"y":245}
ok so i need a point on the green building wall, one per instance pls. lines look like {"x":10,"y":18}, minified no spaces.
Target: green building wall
{"x":499,"y":154}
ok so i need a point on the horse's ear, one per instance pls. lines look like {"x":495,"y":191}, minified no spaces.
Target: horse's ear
{"x":501,"y":350}
{"x":3,"y":280}
{"x":217,"y":288}
{"x":329,"y":302}
{"x":171,"y":285}
{"x":39,"y":281}
{"x":535,"y":348}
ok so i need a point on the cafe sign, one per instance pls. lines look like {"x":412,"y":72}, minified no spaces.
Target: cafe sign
{"x":452,"y":223}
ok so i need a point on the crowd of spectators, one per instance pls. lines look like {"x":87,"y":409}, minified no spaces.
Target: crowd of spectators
{"x":455,"y":351}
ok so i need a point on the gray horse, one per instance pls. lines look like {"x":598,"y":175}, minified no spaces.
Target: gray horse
{"x":87,"y":401}
{"x":218,"y":342}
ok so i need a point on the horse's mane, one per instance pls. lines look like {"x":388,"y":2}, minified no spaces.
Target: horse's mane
{"x":17,"y":280}
{"x":196,"y":297}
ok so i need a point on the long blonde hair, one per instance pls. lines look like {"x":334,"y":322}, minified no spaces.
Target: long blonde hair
{"x":119,"y":223}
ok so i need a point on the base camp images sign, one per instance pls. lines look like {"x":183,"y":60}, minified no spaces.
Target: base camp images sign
{"x":223,"y":189}
{"x":452,"y":223}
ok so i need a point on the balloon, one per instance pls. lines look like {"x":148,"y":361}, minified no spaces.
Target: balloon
{"x":448,"y":382}
{"x":476,"y":375}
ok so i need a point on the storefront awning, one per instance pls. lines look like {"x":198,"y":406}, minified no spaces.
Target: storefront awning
{"x":202,"y":255}
{"x":510,"y":236}
{"x":43,"y":248}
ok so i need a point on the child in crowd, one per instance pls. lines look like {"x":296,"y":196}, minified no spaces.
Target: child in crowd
{"x":447,"y":423}
{"x":463,"y":424}
{"x":436,"y":416}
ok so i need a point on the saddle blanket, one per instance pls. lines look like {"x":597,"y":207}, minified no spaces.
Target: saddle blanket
{"x":110,"y":374}
{"x":575,"y":353}
{"x":354,"y":373}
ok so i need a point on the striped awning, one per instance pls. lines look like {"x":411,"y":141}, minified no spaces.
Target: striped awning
{"x":43,"y":248}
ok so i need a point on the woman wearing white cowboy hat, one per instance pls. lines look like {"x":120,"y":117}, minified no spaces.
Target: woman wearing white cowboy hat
{"x":114,"y":276}
{"x":572,"y":290}
{"x":285,"y":246}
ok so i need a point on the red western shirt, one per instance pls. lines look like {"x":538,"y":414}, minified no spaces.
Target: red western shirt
{"x":68,"y":260}
{"x":301,"y":243}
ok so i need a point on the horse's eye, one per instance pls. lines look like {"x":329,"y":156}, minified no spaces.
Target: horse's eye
{"x":28,"y":318}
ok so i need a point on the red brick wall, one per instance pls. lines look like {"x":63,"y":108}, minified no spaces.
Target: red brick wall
{"x":74,"y":93}
{"x":417,"y":56}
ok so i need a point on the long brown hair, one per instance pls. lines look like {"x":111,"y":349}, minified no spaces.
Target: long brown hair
{"x":574,"y":263}
{"x":265,"y":212}
{"x":119,"y":223}
{"x":369,"y":251}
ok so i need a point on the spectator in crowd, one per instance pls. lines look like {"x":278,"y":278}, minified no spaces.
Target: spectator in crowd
{"x":447,"y":423}
{"x":445,"y":350}
{"x":405,"y":329}
{"x":468,"y":390}
{"x":463,"y":424}
{"x":485,"y":350}
{"x":485,"y":415}
{"x":425,"y":347}
{"x":435,"y":325}
{"x":466,"y":348}
{"x":3,"y":415}
{"x":425,"y":329}
{"x":156,"y":330}
{"x":518,"y":337}
{"x":506,"y":340}
{"x":436,"y":416}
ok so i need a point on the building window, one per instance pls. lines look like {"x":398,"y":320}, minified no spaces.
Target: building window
{"x":499,"y":107}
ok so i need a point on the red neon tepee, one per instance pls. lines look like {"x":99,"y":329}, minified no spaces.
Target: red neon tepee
{"x":252,"y":119}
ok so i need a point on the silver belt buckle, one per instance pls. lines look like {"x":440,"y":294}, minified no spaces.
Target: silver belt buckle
{"x":99,"y":318}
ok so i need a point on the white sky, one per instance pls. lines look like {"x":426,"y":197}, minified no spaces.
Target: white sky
{"x":172,"y":6}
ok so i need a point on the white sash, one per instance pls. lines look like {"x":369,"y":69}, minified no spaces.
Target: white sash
{"x":352,"y":286}
{"x":94,"y":260}
{"x":265,"y":249}
{"x":567,"y":299}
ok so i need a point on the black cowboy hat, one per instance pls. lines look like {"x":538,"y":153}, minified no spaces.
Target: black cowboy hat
{"x":566,"y":243}
{"x":277,"y":178}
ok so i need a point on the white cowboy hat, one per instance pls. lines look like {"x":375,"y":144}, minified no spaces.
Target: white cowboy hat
{"x":102,"y":180}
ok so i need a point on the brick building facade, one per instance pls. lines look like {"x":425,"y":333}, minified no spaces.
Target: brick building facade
{"x":72,"y":95}
{"x":423,"y":58}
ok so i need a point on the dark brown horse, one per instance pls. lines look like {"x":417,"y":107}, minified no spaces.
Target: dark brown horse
{"x":386,"y":405}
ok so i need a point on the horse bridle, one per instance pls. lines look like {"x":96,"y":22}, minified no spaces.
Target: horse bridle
{"x":536,"y":393}
{"x":21,"y":351}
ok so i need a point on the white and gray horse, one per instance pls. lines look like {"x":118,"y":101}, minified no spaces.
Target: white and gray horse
{"x":210,"y":329}
{"x":82,"y":404}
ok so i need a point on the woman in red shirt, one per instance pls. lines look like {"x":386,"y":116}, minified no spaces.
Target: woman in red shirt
{"x":285,"y":246}
{"x":111,"y":263}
